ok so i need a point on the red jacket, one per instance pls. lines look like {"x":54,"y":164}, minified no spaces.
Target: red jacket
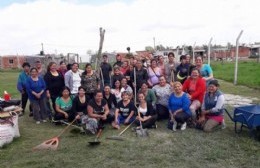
{"x":200,"y":89}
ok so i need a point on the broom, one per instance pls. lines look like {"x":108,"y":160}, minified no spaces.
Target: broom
{"x":53,"y":143}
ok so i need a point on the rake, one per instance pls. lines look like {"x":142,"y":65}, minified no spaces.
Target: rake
{"x":53,"y":143}
{"x":118,"y":137}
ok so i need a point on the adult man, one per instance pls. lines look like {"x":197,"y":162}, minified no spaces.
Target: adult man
{"x":106,"y":70}
{"x":21,"y":86}
{"x":118,"y":61}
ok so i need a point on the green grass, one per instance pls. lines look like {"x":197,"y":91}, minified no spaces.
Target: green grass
{"x":248,"y":73}
{"x":190,"y":148}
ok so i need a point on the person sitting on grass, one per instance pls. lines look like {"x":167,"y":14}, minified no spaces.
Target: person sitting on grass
{"x":148,"y":115}
{"x":212,"y":108}
{"x":111,"y":99}
{"x":99,"y":111}
{"x":179,"y":103}
{"x":64,"y":106}
{"x":125,"y":111}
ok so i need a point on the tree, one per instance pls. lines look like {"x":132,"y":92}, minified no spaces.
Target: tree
{"x":98,"y":60}
{"x":149,"y":48}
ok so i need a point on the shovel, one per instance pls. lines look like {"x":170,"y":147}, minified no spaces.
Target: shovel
{"x":96,"y":141}
{"x":141,"y":132}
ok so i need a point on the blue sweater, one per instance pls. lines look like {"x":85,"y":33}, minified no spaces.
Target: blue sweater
{"x":21,"y":83}
{"x":36,"y":86}
{"x":182,"y":102}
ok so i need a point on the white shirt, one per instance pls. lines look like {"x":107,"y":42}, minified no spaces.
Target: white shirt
{"x":76,"y":82}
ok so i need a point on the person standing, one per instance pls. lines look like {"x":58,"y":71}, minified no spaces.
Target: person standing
{"x":140,"y":75}
{"x":205,"y":69}
{"x":106,"y":71}
{"x":154,"y":72}
{"x":54,"y":82}
{"x":118,"y":62}
{"x":73,"y":79}
{"x":170,"y":68}
{"x":63,"y":68}
{"x":90,"y":81}
{"x":21,"y":86}
{"x":35,"y":87}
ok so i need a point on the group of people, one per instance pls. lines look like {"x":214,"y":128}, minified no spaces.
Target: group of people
{"x":128,"y":91}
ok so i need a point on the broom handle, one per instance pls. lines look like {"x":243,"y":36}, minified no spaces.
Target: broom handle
{"x":126,"y":128}
{"x":102,"y":77}
{"x":66,"y":127}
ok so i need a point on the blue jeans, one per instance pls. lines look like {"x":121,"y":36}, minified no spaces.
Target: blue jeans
{"x":121,"y":119}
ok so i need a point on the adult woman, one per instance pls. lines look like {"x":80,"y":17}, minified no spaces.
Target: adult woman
{"x":170,"y":68}
{"x":212,"y":107}
{"x":205,"y":69}
{"x":54,"y":82}
{"x":154,"y":72}
{"x":161,"y":64}
{"x":125,"y":86}
{"x":179,"y":107}
{"x":117,"y":90}
{"x":72,"y":78}
{"x":195,"y":86}
{"x":63,"y":68}
{"x":35,"y":87}
{"x":111,"y":99}
{"x":148,"y":94}
{"x":79,"y":109}
{"x":124,"y":69}
{"x":98,"y":110}
{"x":90,"y":81}
{"x":162,"y":92}
{"x":125,"y":111}
{"x":64,"y":105}
{"x":21,"y":86}
{"x":80,"y":103}
{"x":147,"y":116}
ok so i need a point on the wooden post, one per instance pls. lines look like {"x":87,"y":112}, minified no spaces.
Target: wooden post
{"x":102,"y":34}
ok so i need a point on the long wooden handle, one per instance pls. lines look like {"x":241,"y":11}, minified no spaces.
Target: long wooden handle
{"x":66,"y":127}
{"x":126,"y":128}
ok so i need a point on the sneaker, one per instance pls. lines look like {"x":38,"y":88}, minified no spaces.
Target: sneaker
{"x":44,"y":121}
{"x":38,"y":122}
{"x":183,"y":126}
{"x":154,"y":126}
{"x":174,"y":126}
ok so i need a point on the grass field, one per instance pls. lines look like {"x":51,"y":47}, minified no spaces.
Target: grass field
{"x":248,"y":73}
{"x":190,"y":148}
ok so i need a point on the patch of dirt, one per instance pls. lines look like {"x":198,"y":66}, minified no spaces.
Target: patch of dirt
{"x":236,"y":100}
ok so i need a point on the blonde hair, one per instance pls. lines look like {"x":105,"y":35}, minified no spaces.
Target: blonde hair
{"x":176,"y":83}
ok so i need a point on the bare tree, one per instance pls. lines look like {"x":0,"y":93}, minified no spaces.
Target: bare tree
{"x":98,"y":59}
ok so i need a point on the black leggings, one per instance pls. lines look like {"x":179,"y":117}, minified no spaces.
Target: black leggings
{"x":162,"y":111}
{"x":182,"y":117}
{"x":24,"y":101}
{"x":148,"y":123}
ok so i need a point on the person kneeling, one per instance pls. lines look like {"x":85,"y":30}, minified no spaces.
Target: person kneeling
{"x":212,"y":108}
{"x":125,"y":111}
{"x":179,"y":107}
{"x":148,"y":115}
{"x":98,"y":111}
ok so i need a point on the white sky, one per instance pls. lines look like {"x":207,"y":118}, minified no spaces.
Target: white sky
{"x":73,"y":26}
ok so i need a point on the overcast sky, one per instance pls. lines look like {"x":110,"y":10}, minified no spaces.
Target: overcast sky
{"x":73,"y":25}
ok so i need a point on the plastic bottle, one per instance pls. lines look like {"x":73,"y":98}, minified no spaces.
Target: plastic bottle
{"x":7,"y":96}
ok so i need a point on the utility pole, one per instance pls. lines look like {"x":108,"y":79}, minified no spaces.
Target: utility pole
{"x":209,"y":50}
{"x":193,"y":53}
{"x":154,"y":43}
{"x":236,"y":64}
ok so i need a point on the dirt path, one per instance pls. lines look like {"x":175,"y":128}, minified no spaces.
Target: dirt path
{"x":236,"y":100}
